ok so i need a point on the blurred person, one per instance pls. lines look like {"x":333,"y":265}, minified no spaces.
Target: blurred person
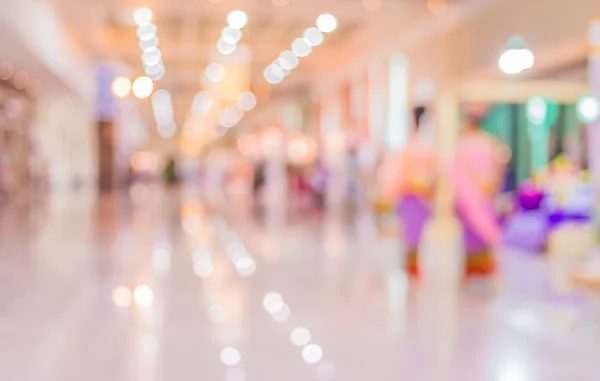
{"x":408,"y":181}
{"x":478,"y":174}
{"x":170,"y":171}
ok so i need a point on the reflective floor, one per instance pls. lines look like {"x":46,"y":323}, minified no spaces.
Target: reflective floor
{"x":153,"y":285}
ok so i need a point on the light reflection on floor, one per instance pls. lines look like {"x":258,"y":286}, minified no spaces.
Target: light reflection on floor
{"x":164,"y":288}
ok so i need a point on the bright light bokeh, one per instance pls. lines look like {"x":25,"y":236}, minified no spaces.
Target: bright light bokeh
{"x":214,"y":72}
{"x":224,"y":47}
{"x":288,"y":60}
{"x":230,"y":356}
{"x":515,"y":61}
{"x":142,"y":87}
{"x":588,"y":109}
{"x":237,"y":19}
{"x":246,"y":101}
{"x":231,"y":35}
{"x":301,"y":47}
{"x":202,"y":103}
{"x":121,"y":87}
{"x":326,"y":23}
{"x":312,"y":353}
{"x":142,"y":16}
{"x":314,"y":36}
{"x":146,"y":32}
{"x":143,"y":296}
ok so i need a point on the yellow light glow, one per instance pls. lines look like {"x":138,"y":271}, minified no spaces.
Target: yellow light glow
{"x":142,"y":87}
{"x":121,"y":87}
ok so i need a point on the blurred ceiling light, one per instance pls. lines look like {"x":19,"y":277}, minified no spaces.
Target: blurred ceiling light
{"x":277,"y":70}
{"x":161,"y":98}
{"x":313,"y":36}
{"x":237,"y":19}
{"x":149,"y":45}
{"x":154,"y":69}
{"x":158,"y":75}
{"x":230,"y":356}
{"x":312,"y":353}
{"x":372,"y":5}
{"x":142,"y":16}
{"x":201,"y":103}
{"x":231,"y":35}
{"x":166,"y":130}
{"x":280,"y":3}
{"x":230,"y":116}
{"x":270,"y":76}
{"x":214,"y":72}
{"x":121,"y":87}
{"x":588,"y":109}
{"x":6,"y":71}
{"x":273,"y":302}
{"x":537,"y":110}
{"x":224,"y":47}
{"x":288,"y":60}
{"x":146,"y":32}
{"x":516,"y":58}
{"x":246,"y":101}
{"x":437,"y":6}
{"x":142,"y":87}
{"x":143,"y":296}
{"x":121,"y":296}
{"x":300,"y":336}
{"x":21,"y":80}
{"x":326,"y":23}
{"x":301,"y":47}
{"x":152,"y":57}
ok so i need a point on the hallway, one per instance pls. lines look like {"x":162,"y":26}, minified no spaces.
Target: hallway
{"x":154,"y":286}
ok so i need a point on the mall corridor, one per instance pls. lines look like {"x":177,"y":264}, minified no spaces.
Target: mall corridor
{"x":156,"y":285}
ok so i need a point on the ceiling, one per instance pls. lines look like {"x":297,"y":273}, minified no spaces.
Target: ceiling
{"x":188,"y":31}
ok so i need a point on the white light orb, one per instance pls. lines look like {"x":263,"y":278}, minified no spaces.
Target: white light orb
{"x":202,"y":103}
{"x":142,"y":16}
{"x":326,"y":23}
{"x":152,"y":57}
{"x":588,"y":109}
{"x":237,"y":19}
{"x":158,"y":74}
{"x":515,"y":61}
{"x":246,"y":100}
{"x":121,"y":87}
{"x":301,"y":47}
{"x":161,"y":98}
{"x":230,"y":116}
{"x":537,"y":110}
{"x":121,"y":296}
{"x":277,"y":70}
{"x":282,"y":315}
{"x":214,"y":72}
{"x":149,"y":45}
{"x":300,"y":336}
{"x":230,"y":356}
{"x":154,"y":69}
{"x":314,"y":36}
{"x":146,"y":32}
{"x":245,"y":266}
{"x":224,"y":47}
{"x":142,"y":87}
{"x":143,"y":296}
{"x":231,"y":35}
{"x":312,"y":353}
{"x":270,"y":77}
{"x":288,"y":60}
{"x":166,"y":130}
{"x":273,"y":302}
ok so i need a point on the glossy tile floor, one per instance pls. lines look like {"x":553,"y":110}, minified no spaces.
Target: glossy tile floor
{"x":151,"y":286}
